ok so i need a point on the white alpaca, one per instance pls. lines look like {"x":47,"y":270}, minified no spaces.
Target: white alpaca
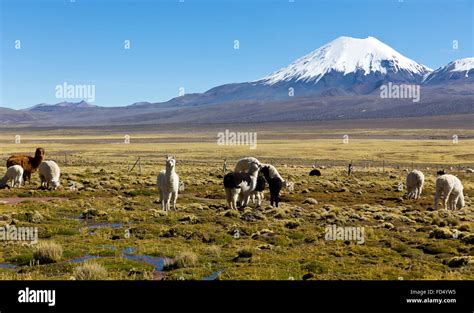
{"x":273,"y":172}
{"x":451,"y":188}
{"x":49,"y":173}
{"x":242,"y":165}
{"x":414,"y":182}
{"x":168,"y":184}
{"x":14,"y":174}
{"x":240,"y":185}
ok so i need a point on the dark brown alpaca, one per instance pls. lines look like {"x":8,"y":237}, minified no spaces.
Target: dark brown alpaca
{"x":30,"y":164}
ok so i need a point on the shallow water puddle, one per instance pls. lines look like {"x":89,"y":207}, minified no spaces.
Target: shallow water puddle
{"x":157,"y":262}
{"x":129,"y":250}
{"x":127,"y":253}
{"x":8,"y":265}
{"x":95,"y":225}
{"x":214,"y":276}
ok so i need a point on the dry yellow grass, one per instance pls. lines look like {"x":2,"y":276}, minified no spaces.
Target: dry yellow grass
{"x":284,"y":242}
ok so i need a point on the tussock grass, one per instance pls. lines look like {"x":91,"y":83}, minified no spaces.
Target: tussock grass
{"x":48,"y":252}
{"x":183,"y":259}
{"x":90,"y":270}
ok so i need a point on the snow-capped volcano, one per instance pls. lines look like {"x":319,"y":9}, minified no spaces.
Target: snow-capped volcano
{"x":462,"y":69}
{"x":347,"y":55}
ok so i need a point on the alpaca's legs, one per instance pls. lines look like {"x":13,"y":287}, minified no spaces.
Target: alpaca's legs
{"x":165,"y":201}
{"x":419,"y":192}
{"x":228,"y":197}
{"x":168,"y":198}
{"x":446,"y":200}
{"x":452,"y":201}
{"x":235,"y":199}
{"x":235,"y":196}
{"x":259,"y":198}
{"x":241,"y":197}
{"x":174,"y":196}
{"x":458,"y":198}
{"x":245,"y":198}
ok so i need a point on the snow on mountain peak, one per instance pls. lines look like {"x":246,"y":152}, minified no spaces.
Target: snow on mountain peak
{"x":457,"y":69}
{"x":462,"y":65}
{"x":346,"y":55}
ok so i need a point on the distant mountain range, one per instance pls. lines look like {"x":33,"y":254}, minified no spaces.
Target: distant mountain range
{"x":65,"y":106}
{"x":340,"y":80}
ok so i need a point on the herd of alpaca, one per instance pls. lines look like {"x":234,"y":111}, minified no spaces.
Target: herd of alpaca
{"x":20,"y":167}
{"x":448,"y":186}
{"x":28,"y":163}
{"x":247,"y":181}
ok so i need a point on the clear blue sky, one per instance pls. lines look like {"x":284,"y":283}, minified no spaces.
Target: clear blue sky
{"x":190,"y":44}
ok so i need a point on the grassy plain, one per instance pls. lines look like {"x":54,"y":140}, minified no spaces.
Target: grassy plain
{"x":128,"y":235}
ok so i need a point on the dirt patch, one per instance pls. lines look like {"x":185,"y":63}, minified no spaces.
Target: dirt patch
{"x":15,"y":200}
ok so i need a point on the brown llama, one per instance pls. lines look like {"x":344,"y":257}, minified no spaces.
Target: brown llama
{"x":30,"y":164}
